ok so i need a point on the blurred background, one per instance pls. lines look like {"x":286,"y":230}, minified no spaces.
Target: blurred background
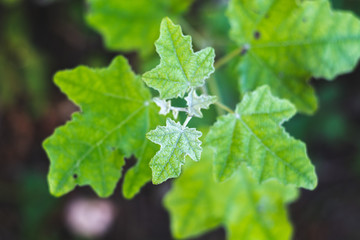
{"x":40,"y":37}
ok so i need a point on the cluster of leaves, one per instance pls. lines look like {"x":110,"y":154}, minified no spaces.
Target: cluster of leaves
{"x":250,"y":167}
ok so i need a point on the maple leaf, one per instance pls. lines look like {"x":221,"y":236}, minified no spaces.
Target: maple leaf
{"x":180,"y":69}
{"x":286,"y":42}
{"x":176,"y":143}
{"x":196,"y":103}
{"x":253,"y":135}
{"x":89,"y":149}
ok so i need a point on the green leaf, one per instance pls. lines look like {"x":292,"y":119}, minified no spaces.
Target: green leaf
{"x":253,"y":135}
{"x":196,"y":103}
{"x":285,"y":42}
{"x":89,"y":149}
{"x":176,"y":142}
{"x":246,"y":209}
{"x":140,"y":174}
{"x":132,"y":25}
{"x":180,"y":68}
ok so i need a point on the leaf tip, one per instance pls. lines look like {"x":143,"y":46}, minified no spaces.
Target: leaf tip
{"x":313,"y":181}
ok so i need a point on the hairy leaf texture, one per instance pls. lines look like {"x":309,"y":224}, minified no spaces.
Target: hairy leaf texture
{"x":180,"y":68}
{"x":138,"y":175}
{"x":246,"y":209}
{"x":132,"y":25}
{"x":176,"y":142}
{"x":116,"y":112}
{"x":195,"y":103}
{"x":253,"y":135}
{"x":165,"y":106}
{"x":285,"y":42}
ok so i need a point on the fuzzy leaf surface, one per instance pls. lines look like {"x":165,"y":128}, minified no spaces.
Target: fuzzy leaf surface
{"x":132,"y":25}
{"x":138,"y":175}
{"x":176,"y":143}
{"x":253,"y":135}
{"x":180,"y":68}
{"x":89,"y":149}
{"x":288,"y":41}
{"x":196,"y":103}
{"x":165,"y":106}
{"x":246,"y":209}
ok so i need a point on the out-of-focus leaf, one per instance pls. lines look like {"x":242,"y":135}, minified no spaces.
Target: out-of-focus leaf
{"x":132,"y":25}
{"x":246,"y":209}
{"x":285,"y":42}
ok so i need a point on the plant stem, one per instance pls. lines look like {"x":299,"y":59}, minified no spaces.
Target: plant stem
{"x":236,"y":52}
{"x":201,"y":42}
{"x":187,"y":121}
{"x":214,"y":90}
{"x":226,"y":108}
{"x":212,"y":82}
{"x":180,"y":109}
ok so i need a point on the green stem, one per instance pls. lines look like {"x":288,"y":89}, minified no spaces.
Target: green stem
{"x":214,"y":90}
{"x":212,"y":82}
{"x":222,"y":61}
{"x":222,"y":106}
{"x":187,"y":121}
{"x":201,"y":42}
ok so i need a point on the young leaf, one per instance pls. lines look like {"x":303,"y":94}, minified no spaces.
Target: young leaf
{"x":246,"y":209}
{"x":115,"y":105}
{"x":132,"y":25}
{"x":176,"y":142}
{"x":285,"y":42}
{"x":253,"y":135}
{"x":196,"y":103}
{"x":165,"y":106}
{"x":180,"y":68}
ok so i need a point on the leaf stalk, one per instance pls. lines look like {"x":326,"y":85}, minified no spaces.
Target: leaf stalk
{"x":226,"y":108}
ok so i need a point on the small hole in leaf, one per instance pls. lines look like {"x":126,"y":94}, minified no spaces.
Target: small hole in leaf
{"x":257,"y":35}
{"x":75,"y":176}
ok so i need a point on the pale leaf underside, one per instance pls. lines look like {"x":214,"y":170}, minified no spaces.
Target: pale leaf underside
{"x":195,"y":103}
{"x":176,"y":142}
